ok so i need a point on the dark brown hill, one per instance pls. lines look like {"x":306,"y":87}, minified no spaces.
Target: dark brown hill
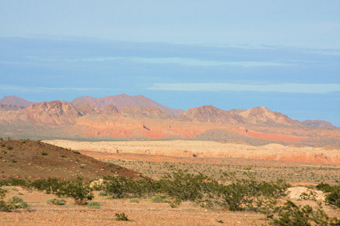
{"x":34,"y":158}
{"x":318,"y":124}
{"x":125,"y":100}
{"x":14,"y":100}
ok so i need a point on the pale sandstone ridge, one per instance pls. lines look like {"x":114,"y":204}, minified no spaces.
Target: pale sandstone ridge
{"x":14,"y":100}
{"x":53,"y":113}
{"x":258,"y":115}
{"x":122,"y":100}
{"x":318,"y":124}
{"x":142,"y":112}
{"x":209,"y":149}
{"x":209,"y":113}
{"x":262,"y":115}
{"x":86,"y":109}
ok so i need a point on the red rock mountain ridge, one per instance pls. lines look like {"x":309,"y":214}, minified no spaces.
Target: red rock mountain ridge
{"x":258,"y":115}
{"x":318,"y":124}
{"x":9,"y":107}
{"x":53,"y":113}
{"x":14,"y":100}
{"x":122,"y":100}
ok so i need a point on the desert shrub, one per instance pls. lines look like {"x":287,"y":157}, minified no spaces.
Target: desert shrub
{"x":157,"y":199}
{"x":76,"y":152}
{"x":249,"y":193}
{"x":292,"y":215}
{"x":324,"y":187}
{"x":333,"y":193}
{"x":17,"y":199}
{"x":56,"y":201}
{"x":333,"y":197}
{"x":185,"y":186}
{"x":134,"y":200}
{"x":2,"y":193}
{"x":14,"y":182}
{"x":121,"y":186}
{"x":12,"y":204}
{"x":50,"y":186}
{"x":93,"y":204}
{"x":9,"y":147}
{"x":44,"y":153}
{"x":80,"y":192}
{"x":103,"y":193}
{"x":6,"y":206}
{"x":121,"y":217}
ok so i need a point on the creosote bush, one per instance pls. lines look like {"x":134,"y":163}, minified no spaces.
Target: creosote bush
{"x":121,"y":217}
{"x":332,"y":193}
{"x":93,"y":205}
{"x":56,"y":201}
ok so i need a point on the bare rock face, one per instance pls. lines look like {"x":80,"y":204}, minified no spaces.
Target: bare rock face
{"x":142,"y":112}
{"x":14,"y":100}
{"x":210,"y":113}
{"x":125,"y":100}
{"x":110,"y":110}
{"x":53,"y":113}
{"x":262,"y":115}
{"x":9,"y":107}
{"x":318,"y":124}
{"x":86,"y":109}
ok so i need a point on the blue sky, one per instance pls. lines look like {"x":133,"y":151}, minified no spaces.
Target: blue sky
{"x":284,"y":55}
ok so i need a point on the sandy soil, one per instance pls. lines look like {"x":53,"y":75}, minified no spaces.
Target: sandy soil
{"x":209,"y":149}
{"x":143,"y":213}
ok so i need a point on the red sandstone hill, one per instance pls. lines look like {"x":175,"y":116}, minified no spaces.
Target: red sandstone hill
{"x":122,"y":100}
{"x":318,"y":124}
{"x":53,"y":113}
{"x":210,"y":113}
{"x":258,"y":115}
{"x":14,"y":100}
{"x":64,"y":120}
{"x":262,"y":115}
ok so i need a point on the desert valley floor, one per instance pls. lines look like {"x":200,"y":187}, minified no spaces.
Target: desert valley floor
{"x":299,"y":165}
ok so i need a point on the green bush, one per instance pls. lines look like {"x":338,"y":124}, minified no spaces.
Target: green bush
{"x":293,"y":215}
{"x":121,"y":217}
{"x":333,"y":197}
{"x":333,"y":193}
{"x":14,"y":182}
{"x":93,"y":204}
{"x":12,"y":204}
{"x":184,"y":186}
{"x":157,"y":199}
{"x":56,"y":201}
{"x":251,"y":194}
{"x":80,"y":192}
{"x":103,"y":193}
{"x":2,"y":193}
{"x":134,"y":200}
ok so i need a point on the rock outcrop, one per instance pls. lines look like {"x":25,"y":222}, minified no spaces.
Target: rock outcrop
{"x":318,"y":124}
{"x":53,"y":113}
{"x":14,"y":100}
{"x":125,"y":100}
